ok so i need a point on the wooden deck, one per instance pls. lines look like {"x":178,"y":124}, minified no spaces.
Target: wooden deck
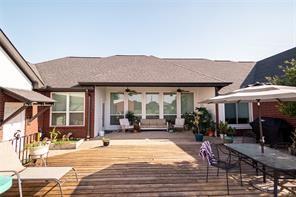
{"x":144,"y":167}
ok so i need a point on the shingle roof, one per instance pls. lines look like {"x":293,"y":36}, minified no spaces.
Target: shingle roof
{"x":68,"y":72}
{"x":231,"y":71}
{"x":269,"y":67}
{"x":27,"y":96}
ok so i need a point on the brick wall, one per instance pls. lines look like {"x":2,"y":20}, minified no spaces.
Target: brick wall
{"x":31,"y":127}
{"x":270,"y":109}
{"x":79,"y":132}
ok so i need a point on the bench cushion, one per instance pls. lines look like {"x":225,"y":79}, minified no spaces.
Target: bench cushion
{"x":153,"y":123}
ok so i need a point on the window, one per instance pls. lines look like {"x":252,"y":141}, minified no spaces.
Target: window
{"x":187,"y":102}
{"x":237,"y":113}
{"x":116,"y":107}
{"x":170,"y":106}
{"x":135,"y":104}
{"x":68,"y":109}
{"x":152,"y":105}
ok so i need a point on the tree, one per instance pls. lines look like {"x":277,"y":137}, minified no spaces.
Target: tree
{"x":288,"y":79}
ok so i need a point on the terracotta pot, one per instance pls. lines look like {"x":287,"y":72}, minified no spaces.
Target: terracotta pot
{"x":211,"y":133}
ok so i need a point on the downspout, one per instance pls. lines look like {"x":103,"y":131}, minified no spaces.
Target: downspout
{"x":217,"y":112}
{"x":88,"y":115}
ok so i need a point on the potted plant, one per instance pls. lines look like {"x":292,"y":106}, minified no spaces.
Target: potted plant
{"x":211,"y":129}
{"x":230,"y":133}
{"x":54,"y":135}
{"x":196,"y":129}
{"x":292,"y":148}
{"x":136,"y":126}
{"x":222,"y":128}
{"x":106,"y":141}
{"x":131,"y":117}
{"x":189,"y":120}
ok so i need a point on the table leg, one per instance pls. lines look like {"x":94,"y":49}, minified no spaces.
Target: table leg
{"x":275,"y":186}
{"x":264,"y":174}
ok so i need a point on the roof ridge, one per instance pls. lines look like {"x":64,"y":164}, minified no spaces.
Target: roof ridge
{"x":83,"y":57}
{"x":50,"y":60}
{"x":130,"y":55}
{"x":184,"y":58}
{"x":291,"y":49}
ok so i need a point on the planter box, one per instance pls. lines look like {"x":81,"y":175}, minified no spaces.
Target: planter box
{"x":66,"y":146}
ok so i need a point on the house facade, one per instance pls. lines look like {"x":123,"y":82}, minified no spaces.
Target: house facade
{"x":151,"y":87}
{"x":90,"y":94}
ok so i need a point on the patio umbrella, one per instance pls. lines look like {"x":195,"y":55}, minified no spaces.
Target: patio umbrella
{"x":258,"y":94}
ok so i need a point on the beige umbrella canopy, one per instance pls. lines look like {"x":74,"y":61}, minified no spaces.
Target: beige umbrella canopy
{"x":258,"y":94}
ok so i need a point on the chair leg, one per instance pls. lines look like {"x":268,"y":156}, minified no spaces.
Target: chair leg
{"x":75,"y":174}
{"x":19,"y":181}
{"x":227,"y":182}
{"x":207,"y":177}
{"x":240,"y":172}
{"x":20,"y":186}
{"x":60,"y":187}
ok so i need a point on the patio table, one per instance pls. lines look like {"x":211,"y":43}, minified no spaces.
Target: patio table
{"x":276,"y":160}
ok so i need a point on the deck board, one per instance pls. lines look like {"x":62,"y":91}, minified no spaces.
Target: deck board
{"x":161,"y":169}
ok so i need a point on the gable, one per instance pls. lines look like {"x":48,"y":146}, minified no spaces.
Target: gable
{"x":11,"y":75}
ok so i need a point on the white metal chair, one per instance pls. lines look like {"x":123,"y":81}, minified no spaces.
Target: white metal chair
{"x":179,"y":123}
{"x":125,"y":125}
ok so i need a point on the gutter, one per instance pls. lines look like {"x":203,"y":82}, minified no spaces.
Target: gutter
{"x":155,"y":84}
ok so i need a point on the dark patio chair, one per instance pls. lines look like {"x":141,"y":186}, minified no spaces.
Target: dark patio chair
{"x":225,"y":160}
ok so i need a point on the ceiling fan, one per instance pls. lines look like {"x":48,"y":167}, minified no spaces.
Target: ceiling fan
{"x":181,"y":90}
{"x":130,"y":91}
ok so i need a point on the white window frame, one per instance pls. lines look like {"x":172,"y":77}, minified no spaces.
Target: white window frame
{"x":68,"y":112}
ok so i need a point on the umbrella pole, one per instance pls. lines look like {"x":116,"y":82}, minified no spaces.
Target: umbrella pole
{"x":260,"y":126}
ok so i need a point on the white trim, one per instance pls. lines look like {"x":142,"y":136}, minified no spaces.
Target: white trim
{"x":160,"y":100}
{"x":68,"y":112}
{"x":179,"y":110}
{"x":144,"y":105}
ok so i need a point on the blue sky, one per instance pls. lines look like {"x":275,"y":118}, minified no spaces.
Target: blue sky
{"x":214,"y":29}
